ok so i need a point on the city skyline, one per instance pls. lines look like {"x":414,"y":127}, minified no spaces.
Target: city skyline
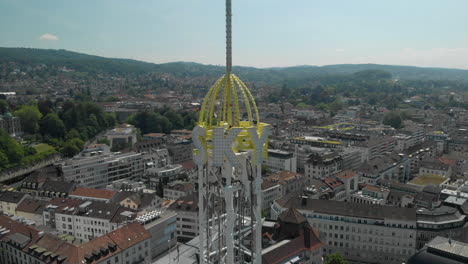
{"x":419,"y":33}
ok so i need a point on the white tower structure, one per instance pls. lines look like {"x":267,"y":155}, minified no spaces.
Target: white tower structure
{"x":231,"y":144}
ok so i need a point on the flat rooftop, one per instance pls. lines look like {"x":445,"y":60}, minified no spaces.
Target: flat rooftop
{"x":428,"y":179}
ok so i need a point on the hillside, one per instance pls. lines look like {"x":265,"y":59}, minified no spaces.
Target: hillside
{"x":298,"y":74}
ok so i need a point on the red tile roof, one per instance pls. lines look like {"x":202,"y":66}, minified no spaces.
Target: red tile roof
{"x":332,"y":182}
{"x":129,"y":235}
{"x":93,"y":193}
{"x":450,"y":162}
{"x":346,"y":174}
{"x":105,"y":246}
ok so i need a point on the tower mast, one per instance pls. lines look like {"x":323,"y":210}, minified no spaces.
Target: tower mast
{"x":228,"y":37}
{"x":229,"y":154}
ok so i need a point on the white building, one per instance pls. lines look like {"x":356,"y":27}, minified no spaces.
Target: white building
{"x":375,"y":146}
{"x":361,"y":233}
{"x":100,"y":169}
{"x":279,"y":160}
{"x":86,"y":220}
{"x":124,"y":134}
{"x":175,"y":190}
{"x":271,"y":191}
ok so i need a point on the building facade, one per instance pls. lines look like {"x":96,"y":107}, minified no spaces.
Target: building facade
{"x":361,"y":233}
{"x":99,"y":170}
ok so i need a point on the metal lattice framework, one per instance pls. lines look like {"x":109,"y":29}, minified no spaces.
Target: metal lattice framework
{"x":230,"y":143}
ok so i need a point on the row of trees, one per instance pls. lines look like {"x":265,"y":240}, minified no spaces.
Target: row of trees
{"x":66,"y":126}
{"x":13,"y":153}
{"x":163,"y":120}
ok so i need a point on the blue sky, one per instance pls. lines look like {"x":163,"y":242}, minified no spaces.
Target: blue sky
{"x":266,"y":33}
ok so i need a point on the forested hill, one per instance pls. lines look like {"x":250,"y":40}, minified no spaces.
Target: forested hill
{"x":96,"y":64}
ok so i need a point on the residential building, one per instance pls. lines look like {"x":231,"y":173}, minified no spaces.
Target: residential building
{"x":419,"y":152}
{"x":390,"y":167}
{"x":91,"y":194}
{"x":22,"y":244}
{"x":434,"y":166}
{"x":440,"y":138}
{"x":180,"y":151}
{"x":175,"y":190}
{"x":414,"y":130}
{"x":351,"y":158}
{"x":9,"y":201}
{"x":323,"y":166}
{"x":32,"y":210}
{"x":187,"y":217}
{"x":279,"y":160}
{"x":290,"y":182}
{"x":140,"y":200}
{"x":291,"y":240}
{"x":458,"y":141}
{"x":99,"y":170}
{"x":270,"y":191}
{"x":87,"y":220}
{"x":362,"y":233}
{"x":376,"y":146}
{"x":337,"y":187}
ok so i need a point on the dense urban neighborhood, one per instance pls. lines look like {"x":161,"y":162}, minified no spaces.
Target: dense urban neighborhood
{"x":99,"y":167}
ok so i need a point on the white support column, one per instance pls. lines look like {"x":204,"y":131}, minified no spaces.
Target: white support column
{"x":230,"y":214}
{"x":201,"y":213}
{"x":258,"y":215}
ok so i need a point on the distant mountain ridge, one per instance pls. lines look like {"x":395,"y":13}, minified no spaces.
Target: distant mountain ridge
{"x":91,"y":63}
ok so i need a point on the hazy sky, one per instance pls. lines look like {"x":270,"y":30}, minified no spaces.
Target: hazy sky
{"x":265,"y":32}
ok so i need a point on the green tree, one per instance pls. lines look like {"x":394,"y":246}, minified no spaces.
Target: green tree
{"x":336,"y":106}
{"x":52,"y":125}
{"x":29,"y":116}
{"x":13,"y":150}
{"x":335,"y":258}
{"x":3,"y":159}
{"x":104,"y":141}
{"x":3,"y":106}
{"x":393,"y":119}
{"x":77,"y":142}
{"x":45,"y":106}
{"x":70,"y":150}
{"x":175,"y":119}
{"x":73,"y":133}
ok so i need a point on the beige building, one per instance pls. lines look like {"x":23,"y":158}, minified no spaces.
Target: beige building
{"x":10,"y":200}
{"x":31,"y":209}
{"x":289,"y":182}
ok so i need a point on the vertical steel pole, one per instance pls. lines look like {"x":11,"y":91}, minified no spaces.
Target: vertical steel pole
{"x":228,"y":37}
